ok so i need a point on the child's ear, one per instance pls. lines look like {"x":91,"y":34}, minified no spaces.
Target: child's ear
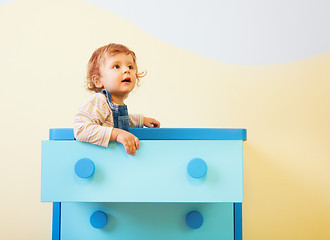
{"x":97,"y":82}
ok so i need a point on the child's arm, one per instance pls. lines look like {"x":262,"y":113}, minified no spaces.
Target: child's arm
{"x":92,"y":124}
{"x":135,"y":120}
{"x":138,"y":120}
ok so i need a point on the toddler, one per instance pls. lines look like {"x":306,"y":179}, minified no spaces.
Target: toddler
{"x":112,"y":74}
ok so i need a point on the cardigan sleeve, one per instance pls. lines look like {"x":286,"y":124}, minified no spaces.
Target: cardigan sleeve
{"x":93,"y":123}
{"x":135,"y":120}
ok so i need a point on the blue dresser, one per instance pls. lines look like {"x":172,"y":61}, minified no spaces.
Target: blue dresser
{"x":181,"y":184}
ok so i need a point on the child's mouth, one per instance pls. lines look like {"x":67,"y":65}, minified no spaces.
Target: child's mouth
{"x":127,"y":80}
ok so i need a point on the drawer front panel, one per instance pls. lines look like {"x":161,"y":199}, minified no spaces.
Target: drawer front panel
{"x":157,"y":173}
{"x":147,"y":221}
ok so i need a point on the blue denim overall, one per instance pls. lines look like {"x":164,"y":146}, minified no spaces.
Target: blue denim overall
{"x":119,"y":112}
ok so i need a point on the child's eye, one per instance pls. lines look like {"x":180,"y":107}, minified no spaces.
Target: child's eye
{"x":116,"y":66}
{"x":131,"y":67}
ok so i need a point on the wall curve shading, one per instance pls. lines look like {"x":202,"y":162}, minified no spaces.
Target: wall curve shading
{"x":236,"y":32}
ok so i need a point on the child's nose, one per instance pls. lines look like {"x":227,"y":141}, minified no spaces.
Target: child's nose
{"x":126,"y":69}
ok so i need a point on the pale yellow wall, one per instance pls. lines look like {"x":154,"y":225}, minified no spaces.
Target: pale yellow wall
{"x":44,"y":48}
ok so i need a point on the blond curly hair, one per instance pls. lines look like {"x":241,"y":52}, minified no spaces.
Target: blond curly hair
{"x":98,"y":58}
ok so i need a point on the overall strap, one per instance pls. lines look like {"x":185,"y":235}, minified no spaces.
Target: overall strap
{"x":119,"y":112}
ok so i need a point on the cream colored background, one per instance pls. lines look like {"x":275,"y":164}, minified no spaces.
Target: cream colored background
{"x":44,"y":48}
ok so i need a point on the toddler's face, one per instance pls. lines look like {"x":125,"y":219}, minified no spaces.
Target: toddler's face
{"x":118,"y":75}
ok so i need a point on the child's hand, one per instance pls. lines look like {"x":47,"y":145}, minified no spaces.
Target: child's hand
{"x":150,"y":122}
{"x":129,"y":141}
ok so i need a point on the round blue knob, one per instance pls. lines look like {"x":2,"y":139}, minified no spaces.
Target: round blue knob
{"x":84,"y":168}
{"x":197,"y":168}
{"x":194,"y":220}
{"x":98,"y":219}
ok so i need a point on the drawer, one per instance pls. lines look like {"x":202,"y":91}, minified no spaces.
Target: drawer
{"x":157,"y":173}
{"x":147,"y":221}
